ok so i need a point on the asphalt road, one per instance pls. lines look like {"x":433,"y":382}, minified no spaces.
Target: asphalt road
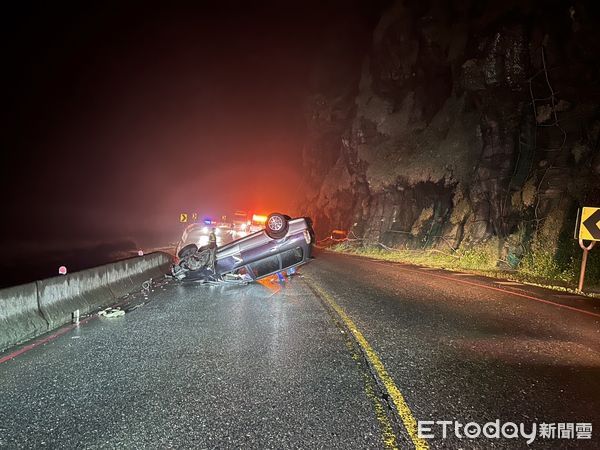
{"x":341,"y":356}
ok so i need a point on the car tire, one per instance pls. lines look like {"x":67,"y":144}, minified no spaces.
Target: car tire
{"x":276,"y":226}
{"x":188,"y":250}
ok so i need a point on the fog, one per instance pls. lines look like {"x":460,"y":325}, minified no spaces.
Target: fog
{"x":119,"y":118}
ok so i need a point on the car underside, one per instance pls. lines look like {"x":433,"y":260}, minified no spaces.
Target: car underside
{"x":284,"y":244}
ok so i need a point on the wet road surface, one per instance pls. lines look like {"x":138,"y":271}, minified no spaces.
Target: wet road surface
{"x":276,"y":365}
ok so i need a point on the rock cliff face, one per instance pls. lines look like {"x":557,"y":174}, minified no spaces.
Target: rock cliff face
{"x":461,"y":124}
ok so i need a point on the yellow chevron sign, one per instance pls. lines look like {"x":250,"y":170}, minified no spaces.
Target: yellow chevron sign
{"x":183,"y":217}
{"x":589,"y":225}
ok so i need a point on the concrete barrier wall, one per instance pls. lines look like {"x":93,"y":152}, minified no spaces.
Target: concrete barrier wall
{"x":32,"y":309}
{"x":20,"y":317}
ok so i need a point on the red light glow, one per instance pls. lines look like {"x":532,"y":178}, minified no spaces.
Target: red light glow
{"x":258,"y":218}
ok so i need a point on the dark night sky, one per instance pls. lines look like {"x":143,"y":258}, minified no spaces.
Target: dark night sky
{"x":119,"y":117}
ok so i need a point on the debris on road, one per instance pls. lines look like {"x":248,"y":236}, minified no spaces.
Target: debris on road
{"x":147,"y":285}
{"x":134,"y":307}
{"x":111,"y":312}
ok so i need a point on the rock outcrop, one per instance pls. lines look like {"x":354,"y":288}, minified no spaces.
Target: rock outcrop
{"x":461,"y":124}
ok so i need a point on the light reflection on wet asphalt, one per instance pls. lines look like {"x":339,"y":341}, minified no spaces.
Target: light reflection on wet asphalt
{"x":265,"y":365}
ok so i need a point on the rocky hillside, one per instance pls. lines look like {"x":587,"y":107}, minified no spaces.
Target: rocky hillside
{"x":461,"y":125}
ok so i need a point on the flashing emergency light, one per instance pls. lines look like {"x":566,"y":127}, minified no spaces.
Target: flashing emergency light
{"x":207,"y":220}
{"x":258,"y":218}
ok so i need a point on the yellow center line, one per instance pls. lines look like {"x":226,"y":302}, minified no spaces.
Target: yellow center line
{"x":394,"y":393}
{"x":386,"y":428}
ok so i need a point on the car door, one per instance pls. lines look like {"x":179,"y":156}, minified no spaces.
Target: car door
{"x":265,"y":266}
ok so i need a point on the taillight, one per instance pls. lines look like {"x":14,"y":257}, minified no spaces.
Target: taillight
{"x":306,"y":236}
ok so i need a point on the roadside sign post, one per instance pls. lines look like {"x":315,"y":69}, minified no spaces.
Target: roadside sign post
{"x":183,"y":217}
{"x":589,"y":230}
{"x":584,"y":261}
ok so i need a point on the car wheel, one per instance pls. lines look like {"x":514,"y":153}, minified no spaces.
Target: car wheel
{"x":276,"y":226}
{"x":188,"y":250}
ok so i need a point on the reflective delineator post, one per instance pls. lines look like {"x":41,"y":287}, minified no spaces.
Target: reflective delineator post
{"x":584,"y":262}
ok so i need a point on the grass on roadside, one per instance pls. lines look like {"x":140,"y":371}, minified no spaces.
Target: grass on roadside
{"x":538,"y":270}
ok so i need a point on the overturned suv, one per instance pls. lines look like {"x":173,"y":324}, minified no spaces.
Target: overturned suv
{"x":283,"y":244}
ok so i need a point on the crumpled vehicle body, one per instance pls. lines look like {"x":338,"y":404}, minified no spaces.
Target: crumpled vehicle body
{"x":283,"y":244}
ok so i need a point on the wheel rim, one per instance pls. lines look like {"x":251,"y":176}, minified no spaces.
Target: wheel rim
{"x":275,"y":223}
